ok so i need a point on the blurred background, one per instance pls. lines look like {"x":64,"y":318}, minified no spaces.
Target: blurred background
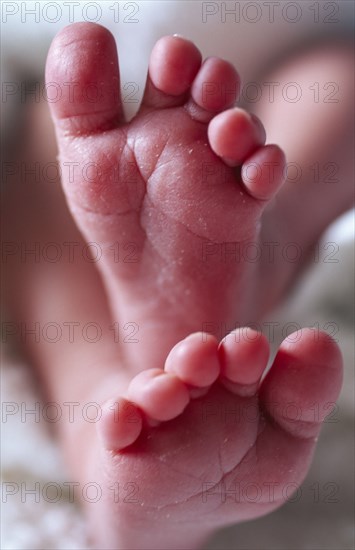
{"x":253,"y":36}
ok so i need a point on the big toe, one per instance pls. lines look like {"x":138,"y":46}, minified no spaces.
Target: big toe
{"x":82,"y":80}
{"x":303,"y":383}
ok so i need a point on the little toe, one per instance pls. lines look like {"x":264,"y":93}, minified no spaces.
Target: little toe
{"x":195,"y":360}
{"x":234,"y":135}
{"x":173,"y":65}
{"x":160,"y":395}
{"x":120,"y":424}
{"x":82,"y":75}
{"x":303,"y":383}
{"x":215,"y":88}
{"x":244,"y":354}
{"x":263,"y":173}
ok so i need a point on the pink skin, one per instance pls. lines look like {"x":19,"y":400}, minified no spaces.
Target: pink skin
{"x":169,"y":430}
{"x":239,"y":432}
{"x":168,"y":184}
{"x":166,"y":189}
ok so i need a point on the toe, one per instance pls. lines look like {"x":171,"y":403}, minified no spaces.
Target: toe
{"x":195,"y":360}
{"x":120,"y":424}
{"x":215,"y":88}
{"x":234,"y":135}
{"x":263,"y":172}
{"x":173,"y":65}
{"x":82,"y":75}
{"x":244,"y":354}
{"x":303,"y":383}
{"x":161,"y":396}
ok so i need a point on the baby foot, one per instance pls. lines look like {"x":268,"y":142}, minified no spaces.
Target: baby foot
{"x":161,"y":195}
{"x":203,"y":443}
